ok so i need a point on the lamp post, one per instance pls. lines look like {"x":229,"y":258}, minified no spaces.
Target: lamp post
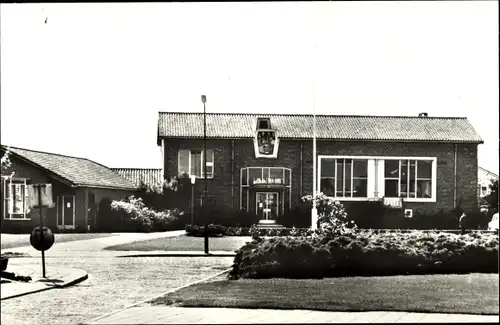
{"x":314,"y":210}
{"x":193,"y":181}
{"x":204,"y":100}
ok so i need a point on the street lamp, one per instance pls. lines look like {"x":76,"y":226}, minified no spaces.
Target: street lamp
{"x":193,"y":181}
{"x":204,"y":100}
{"x":314,"y":210}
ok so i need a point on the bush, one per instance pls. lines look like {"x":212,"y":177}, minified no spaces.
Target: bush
{"x":132,"y":215}
{"x":332,"y":217}
{"x":367,"y":253}
{"x":199,"y":231}
{"x":222,"y":215}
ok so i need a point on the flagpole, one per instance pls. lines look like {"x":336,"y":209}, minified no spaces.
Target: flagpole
{"x":314,"y":211}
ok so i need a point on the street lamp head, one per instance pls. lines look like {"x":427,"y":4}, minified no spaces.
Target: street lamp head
{"x":193,"y":179}
{"x":203,"y":99}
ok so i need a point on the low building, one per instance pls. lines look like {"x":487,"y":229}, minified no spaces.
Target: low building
{"x":263,"y":163}
{"x":78,"y":186}
{"x":484,"y":180}
{"x":148,"y":176}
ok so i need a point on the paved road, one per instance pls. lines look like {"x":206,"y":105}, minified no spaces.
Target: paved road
{"x":113,"y":283}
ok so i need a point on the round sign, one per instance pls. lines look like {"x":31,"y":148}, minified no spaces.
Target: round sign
{"x":39,"y":242}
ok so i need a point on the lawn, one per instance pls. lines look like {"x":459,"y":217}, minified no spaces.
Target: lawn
{"x":19,"y":240}
{"x":184,"y":243}
{"x":468,"y":294}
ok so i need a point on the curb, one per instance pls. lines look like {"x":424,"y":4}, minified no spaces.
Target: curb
{"x":157,"y":296}
{"x":52,"y":285}
{"x":181,"y":254}
{"x":28,"y":293}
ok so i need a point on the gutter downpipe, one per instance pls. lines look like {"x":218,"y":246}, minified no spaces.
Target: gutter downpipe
{"x":455,"y":177}
{"x":232,"y":173}
{"x":301,"y":169}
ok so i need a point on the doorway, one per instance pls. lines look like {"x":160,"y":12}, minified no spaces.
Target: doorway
{"x":66,"y":215}
{"x":267,"y":206}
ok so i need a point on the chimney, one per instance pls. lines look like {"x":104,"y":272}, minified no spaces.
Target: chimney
{"x":422,"y":115}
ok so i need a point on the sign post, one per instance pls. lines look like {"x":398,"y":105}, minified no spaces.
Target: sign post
{"x":41,"y":237}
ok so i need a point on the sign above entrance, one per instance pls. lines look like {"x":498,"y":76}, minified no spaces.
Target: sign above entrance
{"x":256,"y":181}
{"x":266,"y":140}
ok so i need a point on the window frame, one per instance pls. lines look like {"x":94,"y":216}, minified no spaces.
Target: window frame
{"x":349,"y":173}
{"x":210,"y":165}
{"x":8,"y":213}
{"x":377,"y":178}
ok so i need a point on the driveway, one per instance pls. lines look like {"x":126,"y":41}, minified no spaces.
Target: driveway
{"x":114,"y":282}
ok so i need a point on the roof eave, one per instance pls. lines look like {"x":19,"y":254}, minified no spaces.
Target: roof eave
{"x":54,"y":175}
{"x":105,"y":187}
{"x":328,"y":139}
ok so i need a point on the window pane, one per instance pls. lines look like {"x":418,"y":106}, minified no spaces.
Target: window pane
{"x":327,"y":186}
{"x":210,"y":171}
{"x":391,"y":188}
{"x":255,"y":173}
{"x":183,"y":162}
{"x":404,"y":169}
{"x":210,"y":156}
{"x":424,"y":169}
{"x":287,"y":177}
{"x":340,"y":177}
{"x":244,"y":177}
{"x":424,"y":188}
{"x":411,"y":189}
{"x":276,"y":173}
{"x":18,"y":198}
{"x":360,"y":187}
{"x":196,"y":163}
{"x":412,"y":169}
{"x":327,"y":167}
{"x":360,"y":168}
{"x":392,"y":168}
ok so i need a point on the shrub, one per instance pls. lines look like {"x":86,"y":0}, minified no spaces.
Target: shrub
{"x":225,"y":216}
{"x":367,"y":253}
{"x":199,"y":231}
{"x":131,"y":215}
{"x":332,"y":217}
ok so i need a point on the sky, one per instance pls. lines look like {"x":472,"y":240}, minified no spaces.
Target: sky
{"x":91,"y":81}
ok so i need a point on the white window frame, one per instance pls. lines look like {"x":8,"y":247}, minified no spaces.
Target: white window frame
{"x":209,"y":164}
{"x":7,"y":186}
{"x":379,"y":176}
{"x":349,"y":173}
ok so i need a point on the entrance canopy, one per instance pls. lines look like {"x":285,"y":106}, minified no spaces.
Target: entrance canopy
{"x":255,"y":181}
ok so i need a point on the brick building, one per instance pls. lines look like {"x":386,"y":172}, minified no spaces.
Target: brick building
{"x":78,"y":186}
{"x":263,"y":163}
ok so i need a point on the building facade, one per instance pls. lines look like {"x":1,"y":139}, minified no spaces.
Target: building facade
{"x":263,"y":163}
{"x":78,"y":186}
{"x":484,"y":179}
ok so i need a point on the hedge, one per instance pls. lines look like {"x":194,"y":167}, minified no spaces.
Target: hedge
{"x":367,"y":253}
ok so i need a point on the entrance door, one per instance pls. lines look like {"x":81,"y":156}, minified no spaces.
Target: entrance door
{"x":66,"y":219}
{"x":267,"y":206}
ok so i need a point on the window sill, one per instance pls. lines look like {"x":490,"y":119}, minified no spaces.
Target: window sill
{"x":16,"y":219}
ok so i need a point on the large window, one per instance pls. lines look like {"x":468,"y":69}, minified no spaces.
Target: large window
{"x":14,"y":196}
{"x":358,"y":178}
{"x":191,"y":163}
{"x":344,"y":178}
{"x":408,"y":178}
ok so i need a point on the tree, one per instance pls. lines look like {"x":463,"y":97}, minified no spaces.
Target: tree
{"x":492,"y":198}
{"x":5,"y":161}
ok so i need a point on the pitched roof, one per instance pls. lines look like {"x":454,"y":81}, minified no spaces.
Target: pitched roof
{"x":150,"y":176}
{"x":338,"y":127}
{"x":80,"y":172}
{"x":487,"y":172}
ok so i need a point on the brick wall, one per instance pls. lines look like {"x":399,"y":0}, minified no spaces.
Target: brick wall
{"x":289,"y":156}
{"x":34,"y":175}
